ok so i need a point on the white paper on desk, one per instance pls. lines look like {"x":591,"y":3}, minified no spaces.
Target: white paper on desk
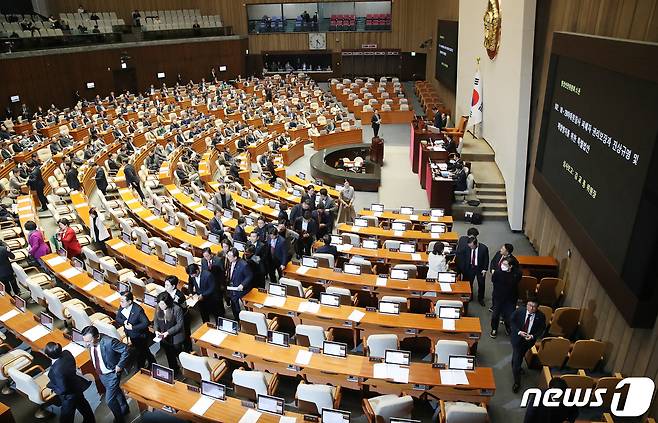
{"x":168,"y":228}
{"x":119,"y":245}
{"x":8,"y":315}
{"x":81,"y":205}
{"x":453,"y":377}
{"x":175,"y":191}
{"x":37,"y":332}
{"x":301,"y":270}
{"x":202,"y":405}
{"x":436,"y":235}
{"x":150,"y":218}
{"x":56,"y":260}
{"x":138,"y":210}
{"x":343,"y":248}
{"x":131,"y":201}
{"x":448,"y":324}
{"x":69,"y":273}
{"x":398,"y":233}
{"x":445,"y":287}
{"x":287,"y":419}
{"x":91,"y":285}
{"x":399,"y":374}
{"x":192,"y":204}
{"x":112,"y":298}
{"x":251,"y":416}
{"x":26,"y":208}
{"x":415,"y":257}
{"x":303,"y":357}
{"x":413,"y":217}
{"x":308,"y":307}
{"x":74,"y":349}
{"x":378,"y":214}
{"x":274,"y":301}
{"x":214,"y":336}
{"x":381,"y":281}
{"x":356,"y":229}
{"x":434,"y":219}
{"x":356,"y":316}
{"x":429,"y":294}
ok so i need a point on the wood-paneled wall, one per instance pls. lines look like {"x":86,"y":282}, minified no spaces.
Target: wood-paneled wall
{"x":55,"y":77}
{"x":631,"y":351}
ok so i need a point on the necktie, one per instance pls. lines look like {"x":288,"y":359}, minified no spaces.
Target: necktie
{"x":209,"y":264}
{"x":473,"y":257}
{"x":501,"y":260}
{"x":526,"y":324}
{"x":97,"y":360}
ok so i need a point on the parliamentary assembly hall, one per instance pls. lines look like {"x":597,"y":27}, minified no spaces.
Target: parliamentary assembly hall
{"x":368,"y":211}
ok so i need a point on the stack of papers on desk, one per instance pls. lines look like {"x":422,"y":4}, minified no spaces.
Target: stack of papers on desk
{"x":74,"y":349}
{"x":202,"y":405}
{"x":415,"y":257}
{"x":453,"y":377}
{"x":391,"y":371}
{"x":250,"y":416}
{"x":91,"y":285}
{"x":56,"y":260}
{"x":445,"y":287}
{"x":111,"y":298}
{"x":356,"y":316}
{"x":69,"y":273}
{"x":214,"y":336}
{"x":308,"y":307}
{"x":8,"y":315}
{"x":448,"y":324}
{"x":168,"y":228}
{"x":37,"y":332}
{"x":381,"y":281}
{"x":151,"y":217}
{"x":119,"y":245}
{"x":274,"y":301}
{"x":303,"y":357}
{"x":301,"y":270}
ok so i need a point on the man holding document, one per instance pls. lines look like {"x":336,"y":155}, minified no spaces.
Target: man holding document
{"x":239,"y":276}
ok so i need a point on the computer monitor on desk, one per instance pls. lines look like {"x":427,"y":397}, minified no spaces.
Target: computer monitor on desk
{"x":227,"y":325}
{"x":308,"y":261}
{"x":98,"y":275}
{"x":400,"y":274}
{"x":399,"y":357}
{"x":377,"y":208}
{"x":461,"y":362}
{"x":170,"y":259}
{"x":448,"y":277}
{"x":334,"y":349}
{"x":270,"y":404}
{"x":276,"y":289}
{"x":370,"y":244}
{"x":280,"y":339}
{"x":352,"y":269}
{"x":162,"y":373}
{"x":46,"y":320}
{"x":213,"y":390}
{"x":399,"y":226}
{"x":406,"y":210}
{"x":329,"y":415}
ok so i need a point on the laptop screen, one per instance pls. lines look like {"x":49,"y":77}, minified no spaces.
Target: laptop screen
{"x":190,"y":229}
{"x":76,"y":336}
{"x":401,"y":274}
{"x":448,"y":277}
{"x":170,"y":259}
{"x":352,"y":269}
{"x":125,"y":237}
{"x":162,"y":373}
{"x":227,"y":325}
{"x":146,"y":249}
{"x":276,"y":289}
{"x":447,"y":312}
{"x":211,"y":207}
{"x":335,"y":349}
{"x":437,"y":212}
{"x":228,"y":214}
{"x":360,"y":222}
{"x":213,"y":390}
{"x":437,"y":229}
{"x":123,"y":287}
{"x":214,"y":238}
{"x":329,"y":299}
{"x":336,"y":240}
{"x":407,"y":247}
{"x":296,"y":193}
{"x":308,"y":261}
{"x":461,"y":362}
{"x":260,"y":201}
{"x":78,"y":264}
{"x":389,"y":307}
{"x":150,"y":300}
{"x":370,"y":244}
{"x":249,"y":220}
{"x":46,"y":320}
{"x":406,"y":210}
{"x":397,"y":357}
{"x":330,"y":415}
{"x":377,"y":207}
{"x":398,"y":226}
{"x":278,"y":338}
{"x":301,"y":175}
{"x":98,"y":275}
{"x":270,"y":404}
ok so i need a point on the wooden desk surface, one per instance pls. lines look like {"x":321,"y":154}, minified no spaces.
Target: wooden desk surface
{"x":148,"y":263}
{"x":388,"y":256}
{"x":423,"y":237}
{"x":341,"y":314}
{"x":248,"y":204}
{"x":389,"y":215}
{"x":158,"y":225}
{"x":277,"y":194}
{"x":87,"y":286}
{"x":353,"y":136}
{"x":481,"y":383}
{"x":409,"y":288}
{"x":331,"y":191}
{"x":145,"y":390}
{"x":290,"y":153}
{"x":538,"y":261}
{"x":23,"y":322}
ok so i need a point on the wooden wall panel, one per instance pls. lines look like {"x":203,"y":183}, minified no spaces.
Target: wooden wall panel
{"x":631,"y":351}
{"x":54,"y":78}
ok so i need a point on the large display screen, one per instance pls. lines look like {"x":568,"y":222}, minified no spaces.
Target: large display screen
{"x":595,"y":152}
{"x":446,"y":53}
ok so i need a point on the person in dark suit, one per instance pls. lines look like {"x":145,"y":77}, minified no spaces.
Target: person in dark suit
{"x":309,"y":196}
{"x":168,"y":324}
{"x":100,"y":178}
{"x":215,"y":266}
{"x":109,"y":357}
{"x":298,"y":210}
{"x":255,"y":264}
{"x":132,"y":178}
{"x":327,"y":248}
{"x":239,"y":276}
{"x":36,"y":183}
{"x":307,"y":228}
{"x":262,"y":229}
{"x":375,"y":122}
{"x":328,"y":203}
{"x":7,"y":275}
{"x":202,"y":283}
{"x":276,"y":255}
{"x":473,"y":263}
{"x":215,"y":225}
{"x":239,"y":234}
{"x":72,"y":178}
{"x":460,"y":178}
{"x":462,"y":242}
{"x":282,"y":216}
{"x":171,"y":287}
{"x":324,"y":220}
{"x":68,"y":385}
{"x":527,"y":324}
{"x":505,"y":293}
{"x":133,"y":319}
{"x":505,"y":251}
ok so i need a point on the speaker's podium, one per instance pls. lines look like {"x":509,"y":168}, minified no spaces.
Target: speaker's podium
{"x":377,"y":150}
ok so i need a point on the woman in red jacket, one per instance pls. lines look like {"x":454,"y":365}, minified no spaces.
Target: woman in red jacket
{"x":67,"y":238}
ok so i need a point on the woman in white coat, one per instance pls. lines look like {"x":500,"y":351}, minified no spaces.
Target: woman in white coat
{"x":99,"y":233}
{"x":436,"y":261}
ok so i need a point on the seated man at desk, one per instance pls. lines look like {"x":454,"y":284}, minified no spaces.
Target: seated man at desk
{"x":327,"y":248}
{"x":460,"y":178}
{"x":222,"y":199}
{"x":182,"y":175}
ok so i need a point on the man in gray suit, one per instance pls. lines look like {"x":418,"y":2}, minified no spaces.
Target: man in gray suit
{"x":109,"y":357}
{"x":328,"y":203}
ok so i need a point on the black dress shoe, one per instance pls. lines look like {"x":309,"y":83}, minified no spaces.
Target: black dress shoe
{"x":493,"y":333}
{"x":516,"y":387}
